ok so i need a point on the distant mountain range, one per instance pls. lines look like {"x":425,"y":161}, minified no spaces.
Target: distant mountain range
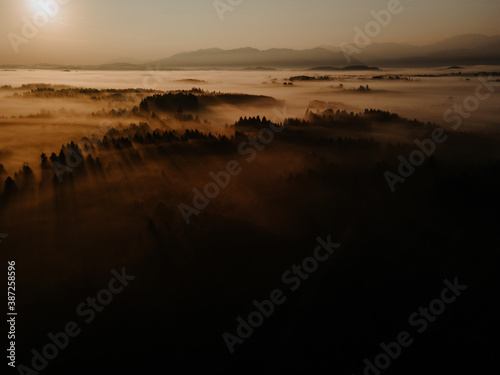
{"x":247,"y":57}
{"x":470,"y":49}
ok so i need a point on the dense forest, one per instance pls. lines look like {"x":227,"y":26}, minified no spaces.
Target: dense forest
{"x":321,"y":174}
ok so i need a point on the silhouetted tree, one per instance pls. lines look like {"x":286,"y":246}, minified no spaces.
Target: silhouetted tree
{"x":62,"y":156}
{"x":45,"y":161}
{"x":10,"y":188}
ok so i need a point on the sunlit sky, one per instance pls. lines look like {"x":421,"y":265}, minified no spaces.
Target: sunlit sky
{"x":99,"y":31}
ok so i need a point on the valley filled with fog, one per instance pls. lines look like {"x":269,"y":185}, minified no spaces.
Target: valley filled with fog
{"x":422,"y":94}
{"x":209,"y":184}
{"x":265,"y":187}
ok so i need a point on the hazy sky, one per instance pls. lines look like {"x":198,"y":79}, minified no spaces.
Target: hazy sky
{"x":98,"y":31}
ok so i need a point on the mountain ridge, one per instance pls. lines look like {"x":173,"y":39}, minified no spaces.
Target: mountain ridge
{"x":466,"y":49}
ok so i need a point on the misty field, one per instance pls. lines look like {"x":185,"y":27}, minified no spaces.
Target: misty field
{"x":208,"y":185}
{"x":51,"y":121}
